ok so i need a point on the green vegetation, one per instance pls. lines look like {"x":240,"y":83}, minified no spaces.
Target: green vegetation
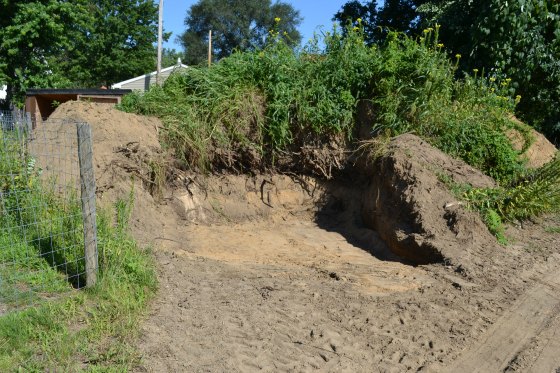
{"x":532,"y":194}
{"x":274,"y":101}
{"x":236,"y":25}
{"x":519,"y":39}
{"x":516,"y":39}
{"x":41,"y":242}
{"x":80,"y":43}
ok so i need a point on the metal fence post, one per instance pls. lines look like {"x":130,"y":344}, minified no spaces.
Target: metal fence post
{"x":87,"y":185}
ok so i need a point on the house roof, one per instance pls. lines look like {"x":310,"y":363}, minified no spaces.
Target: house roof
{"x":71,"y":91}
{"x":120,"y":84}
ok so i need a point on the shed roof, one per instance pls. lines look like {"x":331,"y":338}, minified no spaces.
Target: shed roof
{"x":120,"y":84}
{"x":80,"y":91}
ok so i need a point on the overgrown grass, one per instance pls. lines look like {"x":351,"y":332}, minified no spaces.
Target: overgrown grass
{"x":534,"y":193}
{"x":276,"y":100}
{"x":90,"y":329}
{"x":65,"y":329}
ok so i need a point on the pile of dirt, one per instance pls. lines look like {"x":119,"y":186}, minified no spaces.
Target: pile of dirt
{"x":538,"y":152}
{"x":411,"y":207}
{"x":127,"y":157}
{"x":287,"y":273}
{"x":406,"y":201}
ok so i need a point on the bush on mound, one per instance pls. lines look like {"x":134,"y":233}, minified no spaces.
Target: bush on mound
{"x":303,"y":111}
{"x":259,"y":109}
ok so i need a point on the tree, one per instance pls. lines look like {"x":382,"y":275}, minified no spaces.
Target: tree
{"x":236,"y":25}
{"x":74,"y":43}
{"x":394,"y":15}
{"x":355,"y":10}
{"x":519,"y":39}
{"x":116,"y":44}
{"x":398,"y":15}
{"x":33,"y":35}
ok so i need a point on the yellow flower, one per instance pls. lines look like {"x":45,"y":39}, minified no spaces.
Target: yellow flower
{"x":277,"y":19}
{"x":493,"y":89}
{"x":440,"y":45}
{"x":359,"y":20}
{"x":457,"y":56}
{"x":508,"y":80}
{"x":492,"y":79}
{"x":355,"y":28}
{"x":475,"y":70}
{"x":285,"y":33}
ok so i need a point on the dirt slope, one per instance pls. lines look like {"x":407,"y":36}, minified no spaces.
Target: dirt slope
{"x":126,"y":152}
{"x":410,"y":206}
{"x":281,"y":273}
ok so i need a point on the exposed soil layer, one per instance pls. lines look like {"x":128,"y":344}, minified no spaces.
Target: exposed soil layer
{"x":282,"y":273}
{"x":538,"y":151}
{"x":410,"y":206}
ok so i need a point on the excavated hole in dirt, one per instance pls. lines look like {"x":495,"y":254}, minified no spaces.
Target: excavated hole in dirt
{"x":282,"y":273}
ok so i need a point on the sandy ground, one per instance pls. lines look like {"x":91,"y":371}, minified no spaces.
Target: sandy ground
{"x":275,"y":273}
{"x":294,"y":297}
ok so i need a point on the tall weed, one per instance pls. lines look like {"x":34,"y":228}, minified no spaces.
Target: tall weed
{"x":274,"y":100}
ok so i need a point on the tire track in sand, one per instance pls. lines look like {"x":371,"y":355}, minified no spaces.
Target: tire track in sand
{"x":516,"y":331}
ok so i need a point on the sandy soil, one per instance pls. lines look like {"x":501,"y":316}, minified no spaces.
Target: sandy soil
{"x":292,"y":296}
{"x":279,"y":273}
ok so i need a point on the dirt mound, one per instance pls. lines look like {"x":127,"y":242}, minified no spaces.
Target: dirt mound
{"x":405,"y":202}
{"x":279,"y":273}
{"x":127,"y":156}
{"x":539,"y":152}
{"x":412,"y":209}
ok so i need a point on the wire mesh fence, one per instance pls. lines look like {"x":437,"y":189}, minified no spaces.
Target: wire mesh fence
{"x":47,"y":211}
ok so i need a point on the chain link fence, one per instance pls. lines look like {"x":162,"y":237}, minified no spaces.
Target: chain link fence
{"x":48,"y":243}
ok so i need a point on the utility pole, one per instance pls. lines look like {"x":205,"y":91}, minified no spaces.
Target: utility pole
{"x":159,"y":42}
{"x":209,"y":48}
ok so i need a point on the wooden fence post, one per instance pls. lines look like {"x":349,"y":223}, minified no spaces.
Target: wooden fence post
{"x":87,"y":186}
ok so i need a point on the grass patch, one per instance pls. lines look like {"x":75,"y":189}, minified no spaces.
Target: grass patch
{"x":534,"y":193}
{"x":41,"y":264}
{"x":90,"y":329}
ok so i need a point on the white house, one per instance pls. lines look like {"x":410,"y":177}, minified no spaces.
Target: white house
{"x":143,"y":82}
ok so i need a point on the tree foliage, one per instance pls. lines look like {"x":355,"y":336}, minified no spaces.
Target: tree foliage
{"x":80,"y":43}
{"x":519,"y":39}
{"x":236,"y":24}
{"x":394,"y":15}
{"x":357,"y":13}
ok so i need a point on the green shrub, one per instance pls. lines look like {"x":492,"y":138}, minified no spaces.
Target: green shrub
{"x":275,"y":100}
{"x":535,"y":193}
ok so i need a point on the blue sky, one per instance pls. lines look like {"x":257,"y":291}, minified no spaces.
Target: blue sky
{"x":314,"y":12}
